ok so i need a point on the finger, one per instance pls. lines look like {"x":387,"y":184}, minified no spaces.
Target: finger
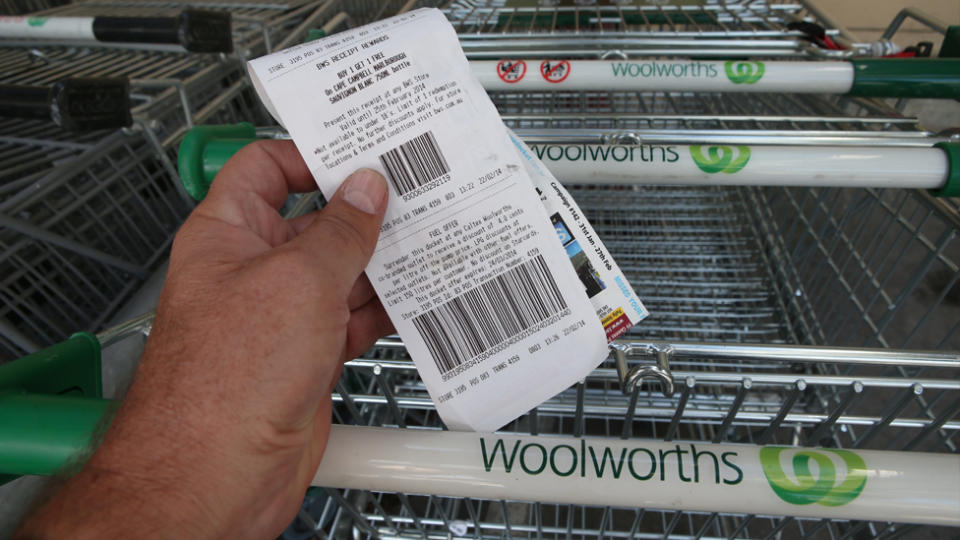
{"x":368,"y":323}
{"x":361,"y":293}
{"x":362,"y":290}
{"x":264,"y":170}
{"x":342,"y":237}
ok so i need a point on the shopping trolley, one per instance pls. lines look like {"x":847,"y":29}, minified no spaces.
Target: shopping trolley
{"x":768,"y":305}
{"x":717,"y":267}
{"x":85,"y":217}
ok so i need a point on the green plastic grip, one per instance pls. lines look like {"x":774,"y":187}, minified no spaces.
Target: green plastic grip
{"x":204,"y":150}
{"x":70,"y":367}
{"x":50,"y":405}
{"x":39,"y":434}
{"x":952,"y":186}
{"x":906,"y":77}
{"x":951,"y":43}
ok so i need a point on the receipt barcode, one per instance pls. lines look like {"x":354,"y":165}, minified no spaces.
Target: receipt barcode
{"x":414,"y":163}
{"x":494,"y":312}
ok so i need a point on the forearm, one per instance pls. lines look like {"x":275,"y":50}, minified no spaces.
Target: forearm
{"x":100,"y":503}
{"x":137,"y":484}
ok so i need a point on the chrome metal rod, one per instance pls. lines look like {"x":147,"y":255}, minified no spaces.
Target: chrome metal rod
{"x":814,"y":439}
{"x":767,"y":434}
{"x":358,"y":518}
{"x":688,"y":384}
{"x":715,"y":378}
{"x":627,"y":431}
{"x":745,"y":385}
{"x":348,"y":401}
{"x":806,"y":353}
{"x":388,"y":394}
{"x":137,"y":325}
{"x":918,"y":15}
{"x":44,"y":235}
{"x":906,"y":396}
{"x":946,"y":414}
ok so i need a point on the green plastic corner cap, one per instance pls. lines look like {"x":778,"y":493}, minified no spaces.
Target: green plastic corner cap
{"x":951,"y":43}
{"x":204,"y":150}
{"x":43,"y":434}
{"x":71,"y":367}
{"x":951,"y":188}
{"x":906,"y":77}
{"x":50,"y":406}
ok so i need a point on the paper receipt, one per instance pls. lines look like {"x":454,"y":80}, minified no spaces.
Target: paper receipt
{"x":468,"y":265}
{"x":616,"y":303}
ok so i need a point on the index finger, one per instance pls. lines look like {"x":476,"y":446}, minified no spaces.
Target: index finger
{"x":269,"y":169}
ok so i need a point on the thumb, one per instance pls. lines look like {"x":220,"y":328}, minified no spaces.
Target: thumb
{"x":343,"y":235}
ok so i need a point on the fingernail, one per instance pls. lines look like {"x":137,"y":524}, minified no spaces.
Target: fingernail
{"x":365,"y":190}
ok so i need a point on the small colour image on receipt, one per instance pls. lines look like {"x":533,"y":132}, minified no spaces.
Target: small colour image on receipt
{"x":468,"y":266}
{"x":617,"y":305}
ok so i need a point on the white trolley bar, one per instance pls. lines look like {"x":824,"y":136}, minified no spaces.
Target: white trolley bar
{"x":879,"y":77}
{"x":906,"y":487}
{"x":742,"y":165}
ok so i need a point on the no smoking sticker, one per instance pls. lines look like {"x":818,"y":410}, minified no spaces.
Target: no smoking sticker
{"x":511,"y":71}
{"x":555,"y":70}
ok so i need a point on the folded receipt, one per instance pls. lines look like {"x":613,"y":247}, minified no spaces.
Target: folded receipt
{"x":467,"y":265}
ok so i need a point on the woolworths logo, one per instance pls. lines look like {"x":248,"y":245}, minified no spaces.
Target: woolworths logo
{"x":36,"y":21}
{"x":717,"y":159}
{"x":805,"y":487}
{"x":742,"y":72}
{"x":684,"y":462}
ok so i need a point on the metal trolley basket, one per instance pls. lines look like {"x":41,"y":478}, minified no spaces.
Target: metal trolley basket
{"x":746,"y":285}
{"x":86,"y":216}
{"x":794,"y":316}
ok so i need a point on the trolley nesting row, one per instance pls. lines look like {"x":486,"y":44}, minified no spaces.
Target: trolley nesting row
{"x":744,"y":284}
{"x":87,"y":216}
{"x":780,"y":315}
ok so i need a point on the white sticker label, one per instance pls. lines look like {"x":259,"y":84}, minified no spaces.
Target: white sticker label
{"x":60,"y":28}
{"x":617,"y":304}
{"x":467,"y":264}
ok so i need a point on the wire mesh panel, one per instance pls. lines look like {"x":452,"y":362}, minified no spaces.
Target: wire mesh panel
{"x":86,"y":216}
{"x":752,"y":19}
{"x":22,"y":7}
{"x":88,"y":222}
{"x":617,"y":29}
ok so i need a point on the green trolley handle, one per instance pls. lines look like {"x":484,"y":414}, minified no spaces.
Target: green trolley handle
{"x":205,"y":149}
{"x":51,"y":403}
{"x":935,"y":78}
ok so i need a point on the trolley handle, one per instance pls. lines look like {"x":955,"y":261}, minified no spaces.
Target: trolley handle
{"x":205,"y":149}
{"x":50,"y":406}
{"x":195,"y":30}
{"x":80,"y":104}
{"x":935,"y":78}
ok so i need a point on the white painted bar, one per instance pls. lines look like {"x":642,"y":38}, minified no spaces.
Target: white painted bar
{"x":60,"y":28}
{"x":822,"y":166}
{"x":666,"y":75}
{"x":906,"y":487}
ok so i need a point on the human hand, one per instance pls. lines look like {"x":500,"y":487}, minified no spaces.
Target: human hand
{"x":229,"y":413}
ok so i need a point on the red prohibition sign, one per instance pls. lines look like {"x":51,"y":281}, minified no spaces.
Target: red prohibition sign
{"x":511,"y":71}
{"x":555,"y":71}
